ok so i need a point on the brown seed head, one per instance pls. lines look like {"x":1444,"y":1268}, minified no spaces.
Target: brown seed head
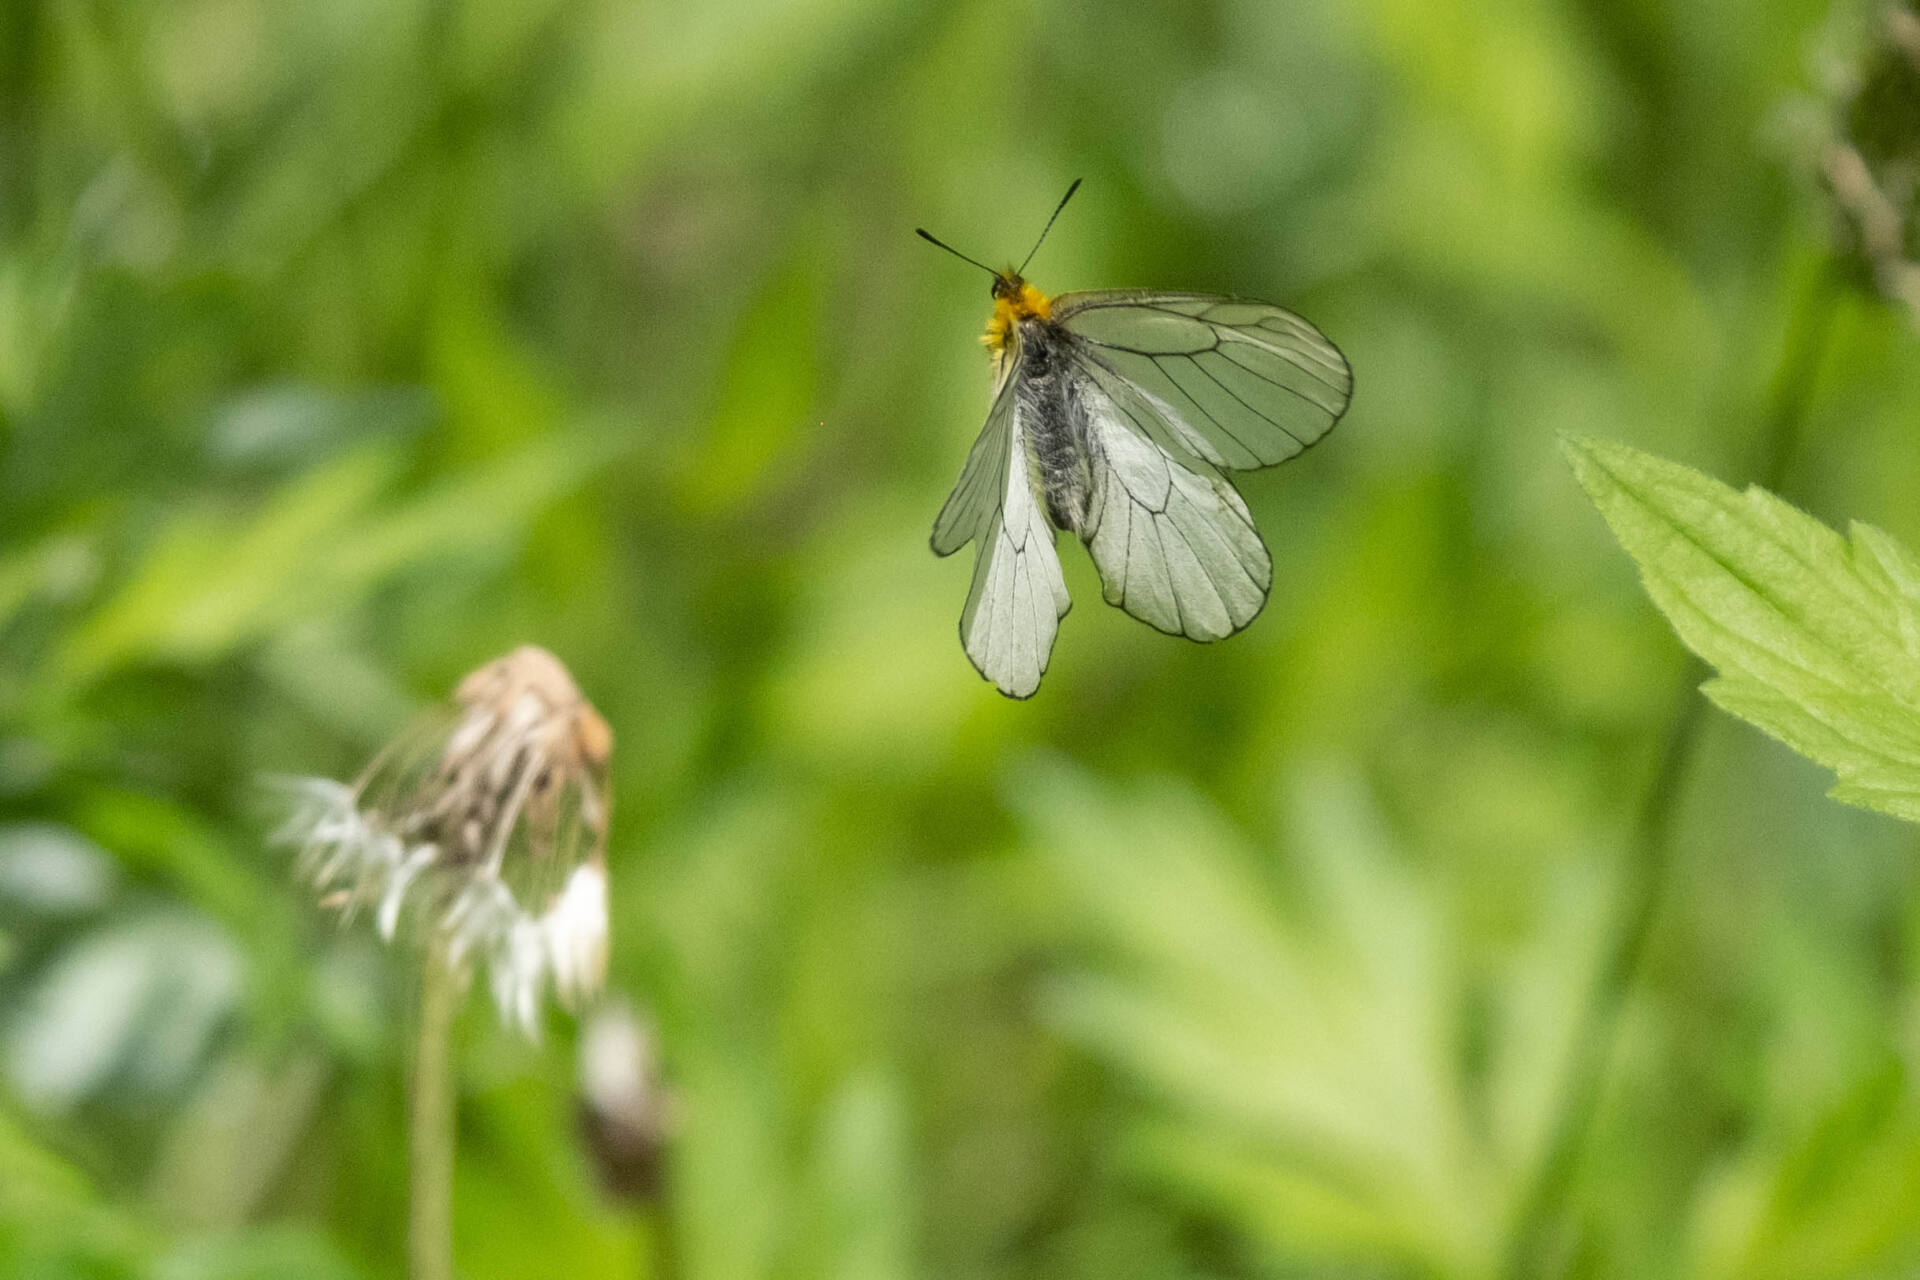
{"x":489,"y":822}
{"x":573,"y":729}
{"x":527,"y":747}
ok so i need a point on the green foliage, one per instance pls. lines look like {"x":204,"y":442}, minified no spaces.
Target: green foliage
{"x":345,"y":346}
{"x":1338,"y":1079}
{"x":1816,"y":637}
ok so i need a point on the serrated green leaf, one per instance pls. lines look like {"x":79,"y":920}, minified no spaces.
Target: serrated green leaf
{"x":1816,"y":636}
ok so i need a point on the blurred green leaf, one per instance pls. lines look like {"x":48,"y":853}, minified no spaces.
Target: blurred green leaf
{"x":274,"y":1253}
{"x":154,"y":992}
{"x":215,"y":580}
{"x":1306,"y":1055}
{"x":229,"y":1146}
{"x":44,"y":1199}
{"x":1839,"y":1198}
{"x":51,"y":870}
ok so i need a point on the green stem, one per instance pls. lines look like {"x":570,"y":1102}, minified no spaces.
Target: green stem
{"x":1540,"y":1237}
{"x":430,"y":1151}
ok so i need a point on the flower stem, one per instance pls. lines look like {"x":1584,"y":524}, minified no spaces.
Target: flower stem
{"x":1541,"y":1239}
{"x":430,"y":1151}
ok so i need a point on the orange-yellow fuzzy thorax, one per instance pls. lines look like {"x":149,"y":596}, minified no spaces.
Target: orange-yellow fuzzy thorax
{"x":1014,"y":300}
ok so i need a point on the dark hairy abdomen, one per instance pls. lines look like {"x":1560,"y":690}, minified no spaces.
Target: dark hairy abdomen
{"x":1055,"y":421}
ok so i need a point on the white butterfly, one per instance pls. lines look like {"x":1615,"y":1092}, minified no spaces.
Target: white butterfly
{"x":1113,"y":415}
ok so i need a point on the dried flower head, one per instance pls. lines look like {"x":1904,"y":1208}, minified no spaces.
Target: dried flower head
{"x":488,"y":825}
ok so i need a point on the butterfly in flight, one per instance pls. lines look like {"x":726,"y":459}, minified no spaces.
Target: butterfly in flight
{"x":1114,"y":414}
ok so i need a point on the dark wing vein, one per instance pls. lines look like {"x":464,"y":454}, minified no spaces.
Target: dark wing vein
{"x":1250,"y":408}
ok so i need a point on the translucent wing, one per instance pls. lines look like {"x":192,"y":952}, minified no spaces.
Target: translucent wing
{"x":976,"y":498}
{"x":1235,"y":384}
{"x":1018,"y":596}
{"x":1174,"y":544}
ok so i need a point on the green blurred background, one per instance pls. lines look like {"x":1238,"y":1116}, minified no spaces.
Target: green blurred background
{"x":346,"y":344}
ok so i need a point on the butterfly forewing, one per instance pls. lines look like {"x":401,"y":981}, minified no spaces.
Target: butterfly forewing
{"x":983,"y":480}
{"x":1240,"y":385}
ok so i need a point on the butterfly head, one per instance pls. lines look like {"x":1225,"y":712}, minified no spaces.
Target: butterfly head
{"x":1014,"y":300}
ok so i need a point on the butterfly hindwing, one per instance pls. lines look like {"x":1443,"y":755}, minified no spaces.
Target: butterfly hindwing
{"x":1174,"y":543}
{"x":1018,"y":596}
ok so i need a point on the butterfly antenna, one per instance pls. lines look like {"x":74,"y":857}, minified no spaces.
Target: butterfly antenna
{"x":934,"y":240}
{"x":1043,"y":231}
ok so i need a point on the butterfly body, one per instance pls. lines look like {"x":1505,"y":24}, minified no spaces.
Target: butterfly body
{"x":1054,"y":414}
